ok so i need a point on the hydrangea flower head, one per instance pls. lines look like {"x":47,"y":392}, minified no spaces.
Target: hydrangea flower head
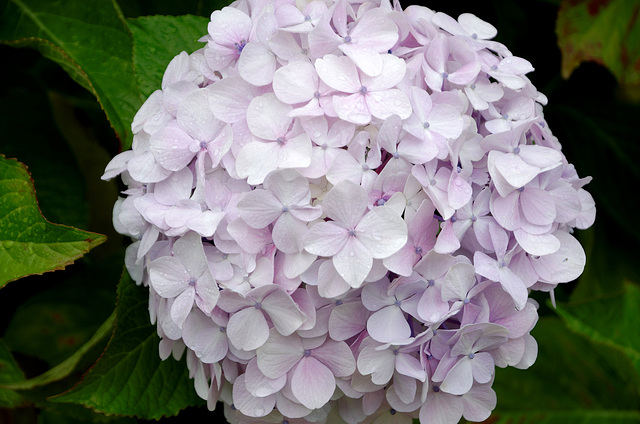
{"x":340,"y":209}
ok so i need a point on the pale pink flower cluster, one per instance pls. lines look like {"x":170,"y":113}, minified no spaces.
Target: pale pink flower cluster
{"x":339,"y":209}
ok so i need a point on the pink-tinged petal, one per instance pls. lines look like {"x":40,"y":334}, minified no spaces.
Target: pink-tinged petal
{"x":279,"y":354}
{"x":403,"y":260}
{"x":509,"y":353}
{"x":284,"y":313}
{"x":117,"y":165}
{"x":459,"y":379}
{"x":538,"y":206}
{"x":513,"y":285}
{"x":206,"y":223}
{"x":388,"y":325}
{"x":257,"y":64}
{"x":144,"y":168}
{"x":259,"y":385}
{"x":325,"y":239}
{"x":466,"y":73}
{"x":229,"y":25}
{"x":207,"y":292}
{"x":486,"y":266}
{"x":345,"y":203}
{"x":230,"y":97}
{"x":256,"y":160}
{"x":383,"y":104}
{"x":506,"y":210}
{"x":478,"y":403}
{"x":248,"y":404}
{"x":405,"y":387}
{"x":190,"y":251}
{"x":267,"y":117}
{"x":249,"y":239}
{"x":170,"y":147}
{"x":196,"y":117}
{"x":168,"y":276}
{"x":587,"y":216}
{"x":564,"y":265}
{"x":289,"y":233}
{"x":541,"y":157}
{"x":367,"y":59}
{"x":441,"y":408}
{"x":182,"y":306}
{"x":431,"y":308}
{"x":177,"y":187}
{"x":474,"y":25}
{"x":339,"y":73}
{"x":205,"y":338}
{"x":483,"y":367}
{"x":295,"y":82}
{"x":567,"y":202}
{"x":410,"y":366}
{"x":382,"y":231}
{"x":352,"y":108}
{"x":323,"y":39}
{"x":347,"y":320}
{"x":445,"y":120}
{"x":312,"y":383}
{"x":458,"y":281}
{"x":259,"y":208}
{"x":378,"y":364}
{"x":514,"y":170}
{"x":353,"y":262}
{"x":295,"y":152}
{"x":337,"y":356}
{"x":247,"y":329}
{"x":543,"y":244}
{"x":374,"y":31}
{"x":306,"y":213}
{"x":530,"y":353}
{"x":393,"y":71}
{"x":459,"y":191}
{"x":447,"y":241}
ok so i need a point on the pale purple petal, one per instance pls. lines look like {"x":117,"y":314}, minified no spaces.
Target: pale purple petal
{"x":388,"y":325}
{"x":279,"y":354}
{"x":312,"y":383}
{"x":248,"y":329}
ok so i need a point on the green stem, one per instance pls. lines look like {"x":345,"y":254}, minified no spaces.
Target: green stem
{"x":67,"y":366}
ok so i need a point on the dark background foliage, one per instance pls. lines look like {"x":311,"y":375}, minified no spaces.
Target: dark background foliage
{"x":587,"y":370}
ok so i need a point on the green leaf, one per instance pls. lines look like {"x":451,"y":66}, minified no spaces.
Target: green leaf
{"x":90,"y":41}
{"x":573,"y":377}
{"x":9,"y":372}
{"x":53,"y":324}
{"x":590,"y":132}
{"x":613,"y":320}
{"x":29,"y":244}
{"x":66,"y":367}
{"x":54,"y":168}
{"x":606,"y":32}
{"x":572,"y":417}
{"x":157,"y":40}
{"x":129,"y":378}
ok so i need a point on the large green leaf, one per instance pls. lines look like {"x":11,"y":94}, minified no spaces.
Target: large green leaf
{"x":90,"y":41}
{"x":607,"y":32}
{"x":57,"y":177}
{"x":9,"y":372}
{"x":29,"y":244}
{"x":573,"y":380}
{"x":157,"y":39}
{"x":55,"y":323}
{"x":129,"y":378}
{"x":612,"y":320}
